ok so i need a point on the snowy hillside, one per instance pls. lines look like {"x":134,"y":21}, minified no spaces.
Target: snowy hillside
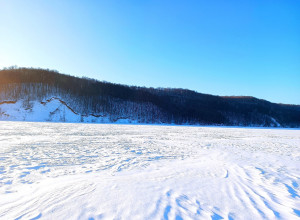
{"x":94,"y":171}
{"x":89,"y":100}
{"x":51,"y":110}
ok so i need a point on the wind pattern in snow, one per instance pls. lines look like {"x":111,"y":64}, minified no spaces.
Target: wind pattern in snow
{"x":94,"y":171}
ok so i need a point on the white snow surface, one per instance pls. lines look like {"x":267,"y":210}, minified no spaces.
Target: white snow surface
{"x":52,"y":110}
{"x":106,"y":171}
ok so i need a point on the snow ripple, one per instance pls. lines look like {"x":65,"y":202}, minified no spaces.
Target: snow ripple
{"x":92,"y":171}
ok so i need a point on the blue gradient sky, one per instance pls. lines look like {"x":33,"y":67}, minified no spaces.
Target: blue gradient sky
{"x":216,"y":47}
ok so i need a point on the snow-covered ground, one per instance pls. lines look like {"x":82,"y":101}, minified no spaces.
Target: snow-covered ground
{"x":94,"y":171}
{"x":52,"y":110}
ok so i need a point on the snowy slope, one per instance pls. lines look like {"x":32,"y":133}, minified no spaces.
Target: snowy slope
{"x":52,"y":110}
{"x":94,"y":171}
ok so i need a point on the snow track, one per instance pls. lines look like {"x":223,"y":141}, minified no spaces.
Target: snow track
{"x":93,"y":171}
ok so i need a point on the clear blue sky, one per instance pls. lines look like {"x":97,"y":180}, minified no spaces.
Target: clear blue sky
{"x":232,"y":47}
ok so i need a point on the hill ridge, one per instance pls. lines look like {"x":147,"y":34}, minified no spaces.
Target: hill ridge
{"x":87,"y":96}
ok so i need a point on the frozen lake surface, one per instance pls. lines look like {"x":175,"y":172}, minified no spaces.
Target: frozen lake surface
{"x":94,"y":171}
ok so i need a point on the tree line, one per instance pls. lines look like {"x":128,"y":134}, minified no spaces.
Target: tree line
{"x":146,"y":105}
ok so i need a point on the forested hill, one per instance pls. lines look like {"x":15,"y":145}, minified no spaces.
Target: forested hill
{"x":30,"y":89}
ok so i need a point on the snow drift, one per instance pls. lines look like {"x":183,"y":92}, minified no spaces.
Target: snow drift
{"x":51,"y":110}
{"x":95,"y":171}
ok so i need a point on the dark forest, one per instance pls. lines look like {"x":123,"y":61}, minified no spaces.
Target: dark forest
{"x":146,"y":105}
